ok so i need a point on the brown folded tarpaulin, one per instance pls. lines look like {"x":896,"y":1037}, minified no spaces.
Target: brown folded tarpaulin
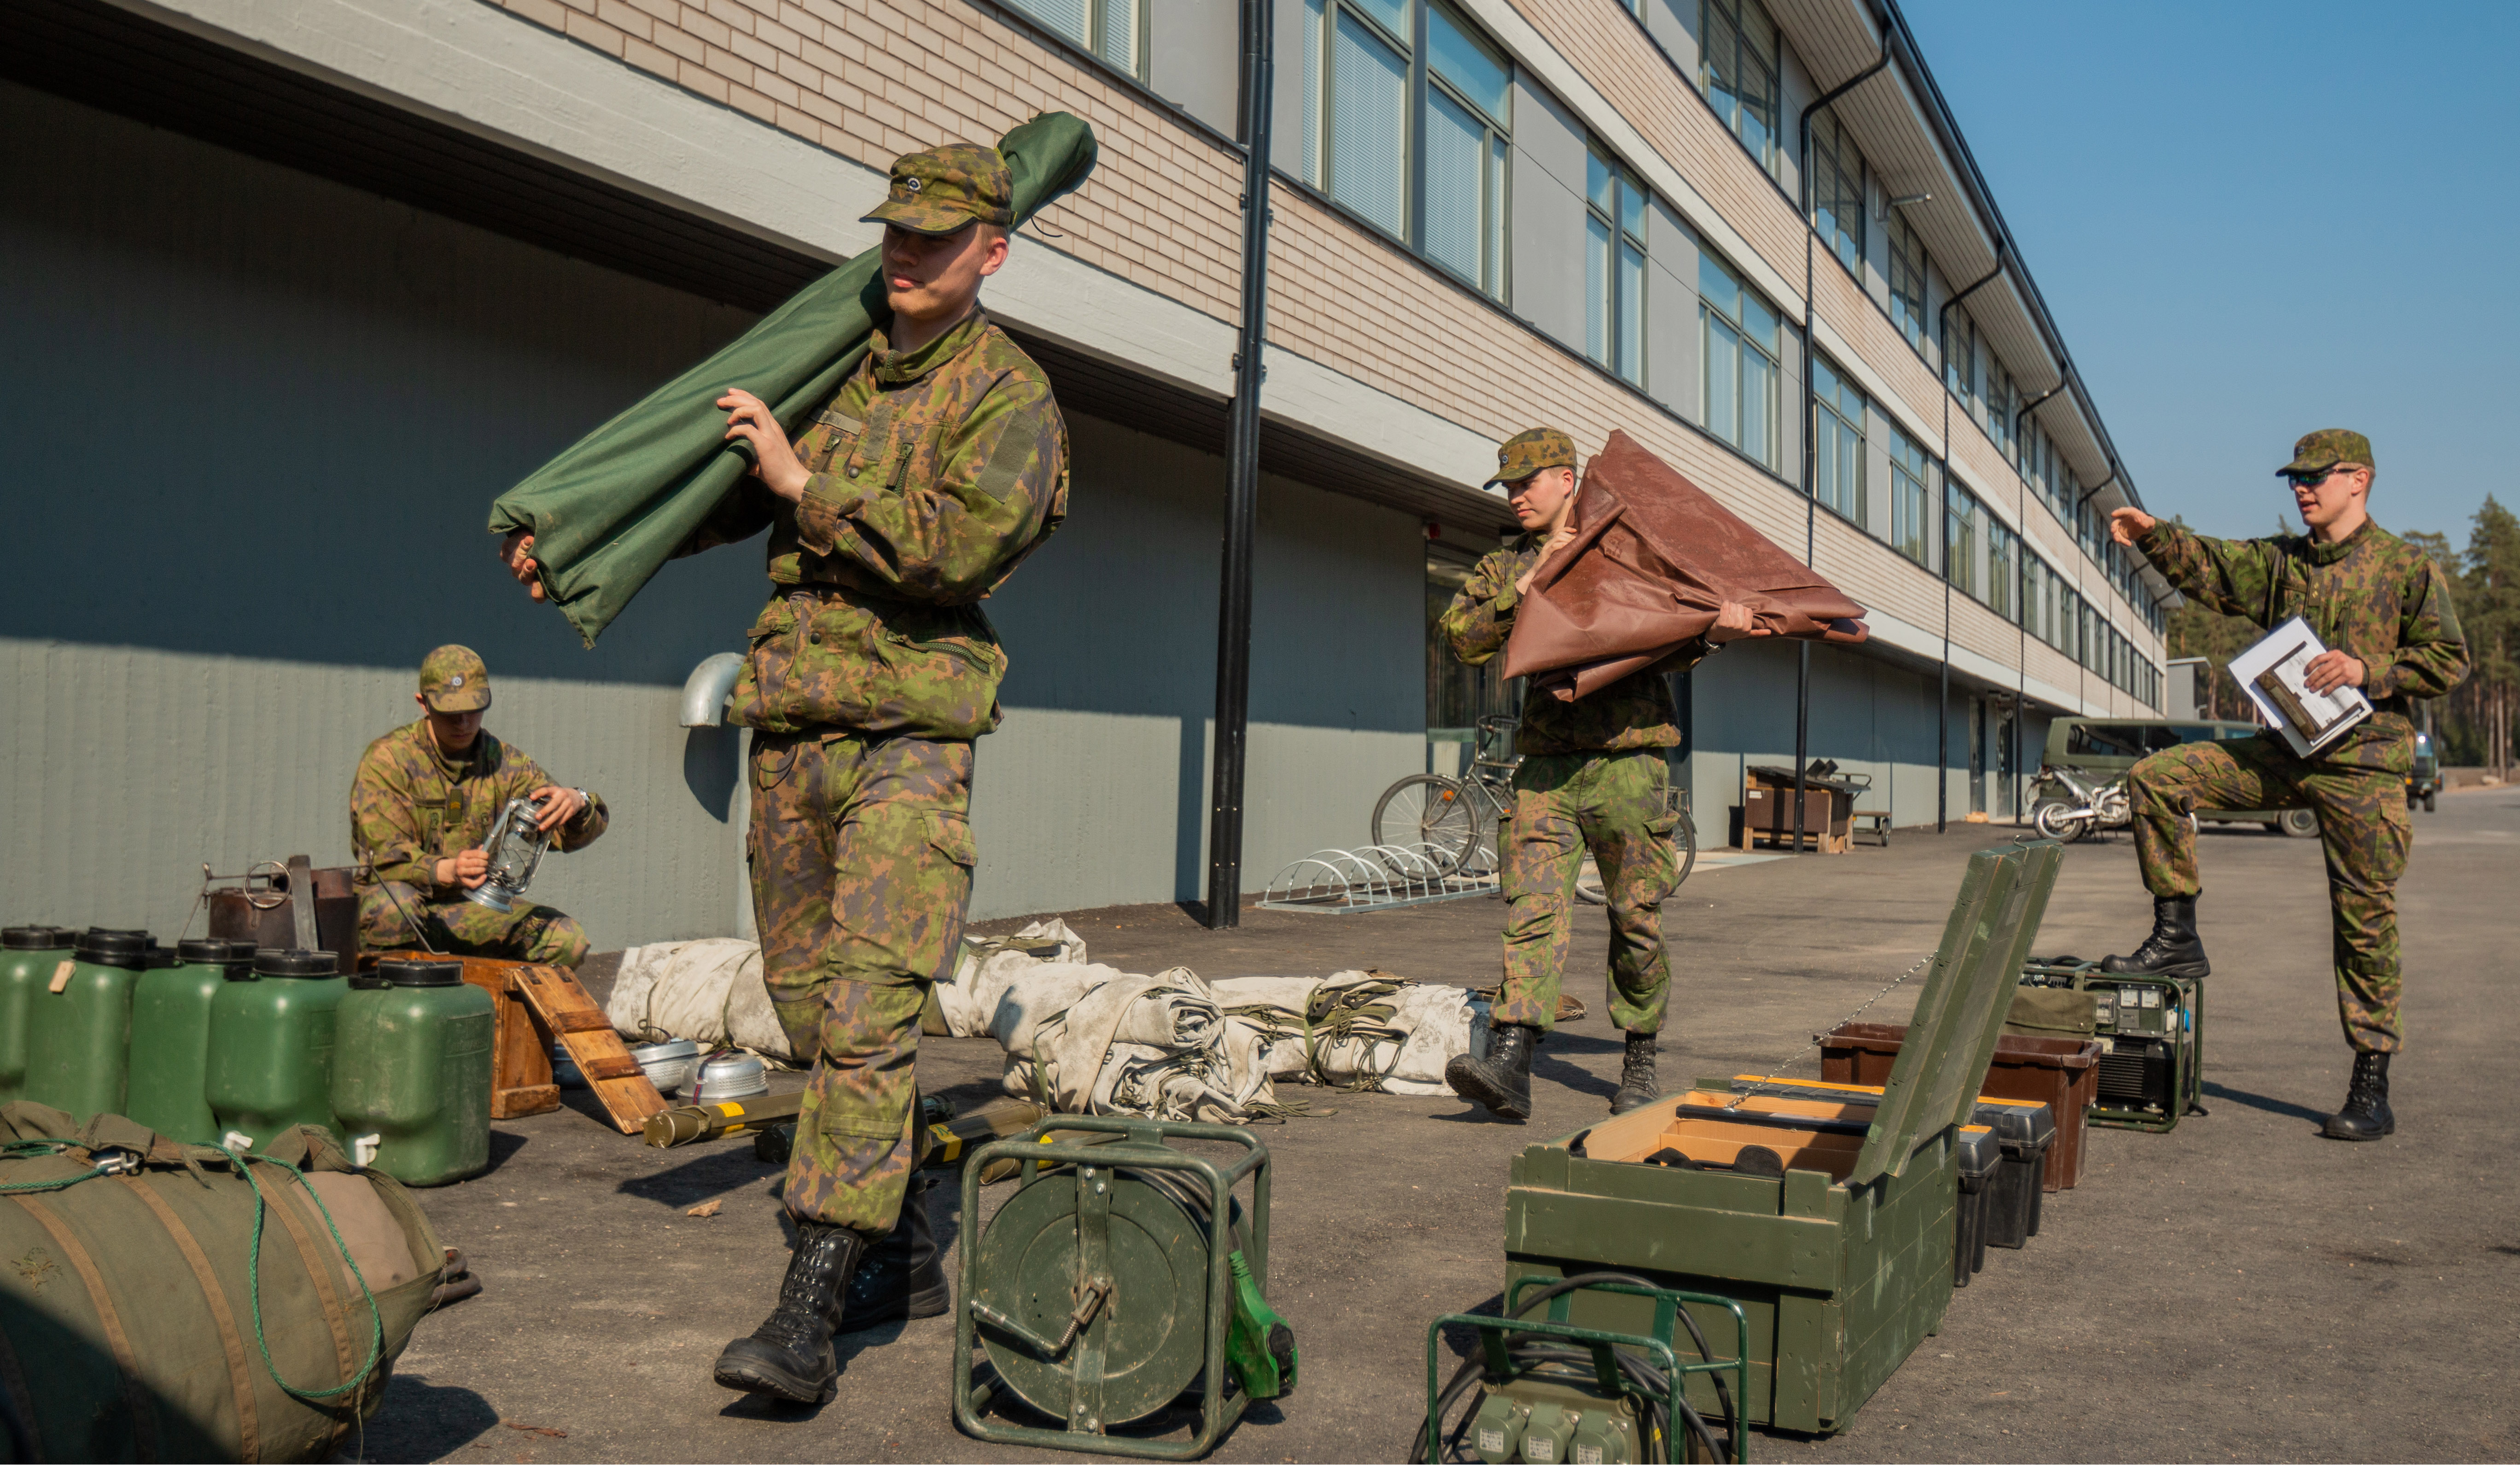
{"x":1653,"y":559}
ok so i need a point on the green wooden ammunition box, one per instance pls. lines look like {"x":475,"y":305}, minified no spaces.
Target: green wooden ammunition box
{"x":1844,"y":1264}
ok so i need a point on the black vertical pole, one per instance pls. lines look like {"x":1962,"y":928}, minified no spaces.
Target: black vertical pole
{"x":1242,"y":486}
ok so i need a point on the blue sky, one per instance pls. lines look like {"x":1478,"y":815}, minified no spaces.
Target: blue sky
{"x":2252,"y":219}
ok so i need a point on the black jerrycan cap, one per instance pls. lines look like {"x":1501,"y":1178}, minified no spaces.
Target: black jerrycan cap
{"x":369,"y":981}
{"x":34,"y":939}
{"x":213,"y":951}
{"x":291,"y":962}
{"x":412,"y":972}
{"x":100,"y":946}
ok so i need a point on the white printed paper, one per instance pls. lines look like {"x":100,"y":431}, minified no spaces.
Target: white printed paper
{"x":2274,"y":675}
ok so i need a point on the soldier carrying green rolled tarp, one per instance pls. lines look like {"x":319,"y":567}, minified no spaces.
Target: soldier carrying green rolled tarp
{"x":905,"y":455}
{"x":2383,"y":609}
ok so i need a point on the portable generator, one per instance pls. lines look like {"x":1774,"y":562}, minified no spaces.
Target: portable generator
{"x":2152,"y":1032}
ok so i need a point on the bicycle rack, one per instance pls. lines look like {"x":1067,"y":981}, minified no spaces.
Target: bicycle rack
{"x":1375,"y":877}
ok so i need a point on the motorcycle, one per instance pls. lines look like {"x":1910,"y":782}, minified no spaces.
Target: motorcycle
{"x":2087,"y":805}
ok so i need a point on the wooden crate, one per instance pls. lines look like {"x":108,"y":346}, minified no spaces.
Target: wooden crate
{"x":537,"y":1005}
{"x":1845,"y":1263}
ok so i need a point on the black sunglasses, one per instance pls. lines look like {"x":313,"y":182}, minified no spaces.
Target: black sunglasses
{"x":2314,"y":477}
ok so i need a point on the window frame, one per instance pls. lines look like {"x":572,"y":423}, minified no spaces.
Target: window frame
{"x":1096,"y":33}
{"x":1609,"y":293}
{"x":1832,"y":145}
{"x":1911,"y":493}
{"x":1736,"y":326}
{"x":1422,"y":81}
{"x":1768,"y":152}
{"x":1960,"y":513}
{"x":1826,"y":448}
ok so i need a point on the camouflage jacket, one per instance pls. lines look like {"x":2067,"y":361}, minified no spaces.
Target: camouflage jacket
{"x":2375,"y":596}
{"x":1634,"y":712}
{"x":412,"y":806}
{"x":935,"y":473}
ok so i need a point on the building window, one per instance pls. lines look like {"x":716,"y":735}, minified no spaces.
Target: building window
{"x":1743,"y":346}
{"x":1906,"y":280}
{"x":1112,"y":30}
{"x":1737,"y":72}
{"x":1469,"y":95}
{"x":2001,"y":552}
{"x":1959,"y":538}
{"x":1837,"y":191}
{"x":1960,"y":359}
{"x":1614,"y":268}
{"x":1837,"y":442}
{"x":1362,"y":60}
{"x":1457,"y":696}
{"x":1912,"y":508}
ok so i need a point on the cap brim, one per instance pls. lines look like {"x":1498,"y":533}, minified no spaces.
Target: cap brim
{"x":464,"y":700}
{"x":935,"y":220}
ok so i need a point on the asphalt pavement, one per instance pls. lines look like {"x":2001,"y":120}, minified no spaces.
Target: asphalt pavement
{"x":2237,"y":1289}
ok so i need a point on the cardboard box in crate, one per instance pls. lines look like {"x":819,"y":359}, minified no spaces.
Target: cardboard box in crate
{"x":1844,"y":1262}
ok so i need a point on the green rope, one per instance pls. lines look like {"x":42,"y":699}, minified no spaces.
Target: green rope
{"x":253,"y":1281}
{"x":36,"y":1149}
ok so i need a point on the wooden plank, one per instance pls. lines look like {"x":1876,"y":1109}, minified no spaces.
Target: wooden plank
{"x":616,"y":1078}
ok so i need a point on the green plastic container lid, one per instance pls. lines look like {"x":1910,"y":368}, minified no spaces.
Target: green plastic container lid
{"x":36,"y":939}
{"x":130,"y":950}
{"x":423,"y":973}
{"x":291,"y":962}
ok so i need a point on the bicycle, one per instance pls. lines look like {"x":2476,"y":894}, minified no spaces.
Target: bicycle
{"x":1461,"y":819}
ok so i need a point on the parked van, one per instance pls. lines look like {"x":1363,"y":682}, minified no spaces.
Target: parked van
{"x":2109,"y":746}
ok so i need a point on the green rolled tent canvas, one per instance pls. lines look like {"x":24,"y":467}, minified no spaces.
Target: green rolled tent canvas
{"x":609,"y":510}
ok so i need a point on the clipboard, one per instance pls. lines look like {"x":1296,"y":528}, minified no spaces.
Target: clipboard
{"x":2271,"y":673}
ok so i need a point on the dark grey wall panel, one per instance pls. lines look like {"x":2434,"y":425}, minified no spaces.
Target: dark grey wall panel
{"x":1194,"y":58}
{"x":1547,"y":224}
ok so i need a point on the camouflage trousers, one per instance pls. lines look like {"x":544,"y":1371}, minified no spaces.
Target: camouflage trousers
{"x":861,"y":851}
{"x":2361,"y":823}
{"x":465,"y":928}
{"x":1614,"y":805}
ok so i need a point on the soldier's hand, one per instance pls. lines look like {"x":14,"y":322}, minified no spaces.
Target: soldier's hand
{"x":1732,"y":622}
{"x":774,"y":458}
{"x":516,"y":553}
{"x":2330,"y":670}
{"x":1559,"y":539}
{"x":558,"y":805}
{"x":467,"y":869}
{"x":2125,"y":524}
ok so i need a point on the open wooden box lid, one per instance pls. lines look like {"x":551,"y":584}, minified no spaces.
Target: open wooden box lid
{"x":1960,"y":1015}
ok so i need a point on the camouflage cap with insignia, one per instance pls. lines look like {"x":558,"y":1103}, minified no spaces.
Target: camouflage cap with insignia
{"x":453,"y":680}
{"x":1527,"y":452}
{"x":2326,"y":448}
{"x":943,"y":189}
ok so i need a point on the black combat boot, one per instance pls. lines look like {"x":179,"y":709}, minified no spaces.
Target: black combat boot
{"x":789,"y":1354}
{"x":2365,"y":1114}
{"x":2173,"y":950}
{"x":1500,"y":1080}
{"x":903,"y":1275}
{"x":1638,"y":1086}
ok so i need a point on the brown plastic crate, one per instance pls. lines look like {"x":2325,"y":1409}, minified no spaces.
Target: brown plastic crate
{"x":2061,"y":1073}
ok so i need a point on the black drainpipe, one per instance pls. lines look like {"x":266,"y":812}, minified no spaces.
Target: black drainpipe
{"x":2021,"y":583}
{"x":1242,"y":486}
{"x":1811,"y":496}
{"x":1943,"y":472}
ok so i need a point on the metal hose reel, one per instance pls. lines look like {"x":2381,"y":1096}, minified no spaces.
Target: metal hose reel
{"x":1122,"y":1276}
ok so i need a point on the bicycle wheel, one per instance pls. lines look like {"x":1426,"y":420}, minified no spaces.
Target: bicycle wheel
{"x":1429,"y":810}
{"x":1684,"y":853}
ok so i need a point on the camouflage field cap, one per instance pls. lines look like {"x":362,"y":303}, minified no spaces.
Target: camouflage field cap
{"x":939,"y":191}
{"x":1527,"y":452}
{"x":454,"y":680}
{"x":2326,"y":448}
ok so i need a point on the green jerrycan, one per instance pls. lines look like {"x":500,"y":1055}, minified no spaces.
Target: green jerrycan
{"x":78,"y":1045}
{"x":28,"y":957}
{"x":171,"y":1038}
{"x":271,"y":1048}
{"x":411,"y":1071}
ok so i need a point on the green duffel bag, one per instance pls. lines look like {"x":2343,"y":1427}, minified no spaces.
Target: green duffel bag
{"x":2052,"y":1012}
{"x":169,"y":1302}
